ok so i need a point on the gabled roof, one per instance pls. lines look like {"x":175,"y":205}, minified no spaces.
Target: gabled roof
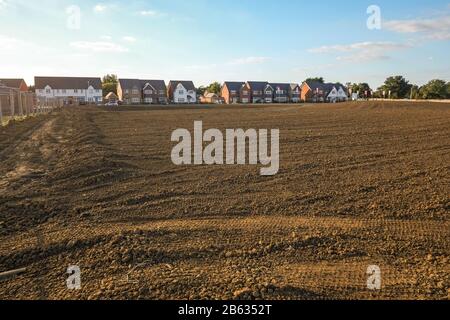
{"x":156,"y":84}
{"x":67,"y":83}
{"x":294,"y":85}
{"x":111,"y":95}
{"x":210,"y":95}
{"x":234,"y":86}
{"x":188,"y":85}
{"x":12,"y":83}
{"x":282,"y":86}
{"x":326,"y":87}
{"x":130,"y":83}
{"x":257,"y":85}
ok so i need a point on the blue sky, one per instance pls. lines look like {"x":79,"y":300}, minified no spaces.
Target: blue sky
{"x":218,"y":40}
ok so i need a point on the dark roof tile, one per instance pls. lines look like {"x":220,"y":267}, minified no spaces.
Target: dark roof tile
{"x":67,"y":83}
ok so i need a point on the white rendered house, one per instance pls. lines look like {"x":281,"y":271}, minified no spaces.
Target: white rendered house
{"x":71,"y":90}
{"x":182,"y":92}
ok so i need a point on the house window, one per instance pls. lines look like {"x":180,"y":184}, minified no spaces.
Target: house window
{"x":48,"y":91}
{"x":127,"y":91}
{"x":75,"y":91}
{"x":233,"y":91}
{"x":268,"y":92}
{"x":162,"y":92}
{"x":135,"y":100}
{"x":135,"y":91}
{"x":64,"y":91}
{"x":181,"y":100}
{"x":245,"y":93}
{"x":148,"y":91}
{"x":148,"y":100}
{"x":255,"y":92}
{"x":181,"y":92}
{"x":91,"y":91}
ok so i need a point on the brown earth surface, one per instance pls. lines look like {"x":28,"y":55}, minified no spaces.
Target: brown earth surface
{"x":360,"y":184}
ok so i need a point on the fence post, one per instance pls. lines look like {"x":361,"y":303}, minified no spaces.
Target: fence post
{"x":25,"y":102}
{"x":11,"y":99}
{"x":1,"y":113}
{"x":20,"y":104}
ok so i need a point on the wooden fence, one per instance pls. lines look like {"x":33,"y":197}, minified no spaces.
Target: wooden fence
{"x":16,"y":105}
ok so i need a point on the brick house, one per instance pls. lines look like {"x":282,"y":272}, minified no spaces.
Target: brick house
{"x":246,"y":93}
{"x":281,"y":92}
{"x":313,"y":91}
{"x":211,"y":98}
{"x":135,"y":91}
{"x":111,"y":98}
{"x":18,"y":84}
{"x":295,"y":93}
{"x":269,"y":91}
{"x":129,"y":91}
{"x":154,"y":92}
{"x":257,"y":91}
{"x":231,"y":92}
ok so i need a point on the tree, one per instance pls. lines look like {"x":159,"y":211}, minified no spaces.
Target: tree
{"x":363,"y":90}
{"x":214,"y":87}
{"x":398,"y":86}
{"x":109,"y":84}
{"x":201,"y":90}
{"x":31,"y":89}
{"x":316,"y":79}
{"x":415,"y":92}
{"x":435,"y":89}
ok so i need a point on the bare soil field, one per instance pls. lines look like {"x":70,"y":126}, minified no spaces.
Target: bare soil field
{"x":359,"y":184}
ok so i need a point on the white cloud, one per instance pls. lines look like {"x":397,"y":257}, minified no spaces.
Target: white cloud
{"x":106,"y":37}
{"x":100,"y":8}
{"x":100,"y":46}
{"x":9,"y":43}
{"x":435,"y":29}
{"x":3,"y":4}
{"x":364,"y":57}
{"x":129,"y":39}
{"x":151,"y":13}
{"x":362,"y":51}
{"x":361,"y":46}
{"x":249,"y":60}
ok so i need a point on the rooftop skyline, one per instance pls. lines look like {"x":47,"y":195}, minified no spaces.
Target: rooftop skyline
{"x":206,"y":41}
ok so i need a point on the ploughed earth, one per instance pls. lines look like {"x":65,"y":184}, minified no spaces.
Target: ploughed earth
{"x":360,"y":184}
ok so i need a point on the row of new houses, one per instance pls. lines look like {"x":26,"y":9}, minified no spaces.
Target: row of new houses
{"x":134,"y":91}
